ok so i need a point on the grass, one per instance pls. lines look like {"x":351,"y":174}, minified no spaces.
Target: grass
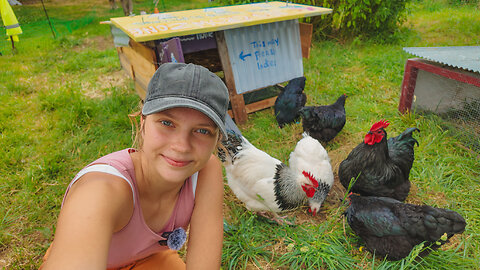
{"x":65,"y":103}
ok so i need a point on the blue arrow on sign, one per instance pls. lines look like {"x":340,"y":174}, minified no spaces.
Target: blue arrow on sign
{"x":243,"y":56}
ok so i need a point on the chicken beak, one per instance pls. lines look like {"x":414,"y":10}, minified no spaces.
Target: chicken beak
{"x":313,"y":210}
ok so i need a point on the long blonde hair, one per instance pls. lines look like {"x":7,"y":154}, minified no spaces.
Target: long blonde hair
{"x":137,"y":129}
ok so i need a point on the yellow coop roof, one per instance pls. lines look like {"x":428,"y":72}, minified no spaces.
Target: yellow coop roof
{"x":187,"y":22}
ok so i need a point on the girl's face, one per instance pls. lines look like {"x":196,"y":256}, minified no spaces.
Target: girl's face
{"x":178,"y":142}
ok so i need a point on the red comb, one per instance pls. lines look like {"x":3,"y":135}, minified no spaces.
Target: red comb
{"x":312,"y":179}
{"x":380,"y":124}
{"x":309,"y":189}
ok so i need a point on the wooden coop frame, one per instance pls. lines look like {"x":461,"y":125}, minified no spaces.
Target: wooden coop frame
{"x":412,"y":67}
{"x":141,"y":58}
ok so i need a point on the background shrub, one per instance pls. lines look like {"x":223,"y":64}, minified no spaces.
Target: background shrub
{"x":353,"y":18}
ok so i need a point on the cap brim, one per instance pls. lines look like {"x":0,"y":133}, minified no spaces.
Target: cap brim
{"x":164,"y":103}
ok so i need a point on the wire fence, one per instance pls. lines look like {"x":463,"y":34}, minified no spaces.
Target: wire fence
{"x":455,"y":102}
{"x":50,"y":23}
{"x":464,"y":123}
{"x":38,"y":22}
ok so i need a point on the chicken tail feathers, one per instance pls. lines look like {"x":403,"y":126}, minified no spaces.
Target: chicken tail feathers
{"x":407,"y":136}
{"x":441,"y":224}
{"x":400,"y":148}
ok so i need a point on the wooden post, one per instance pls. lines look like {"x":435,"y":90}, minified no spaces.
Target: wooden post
{"x":408,"y":87}
{"x":236,"y":100}
{"x":13,"y":45}
{"x":306,"y":31}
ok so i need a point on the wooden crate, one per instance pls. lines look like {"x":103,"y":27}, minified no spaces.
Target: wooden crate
{"x":140,"y":63}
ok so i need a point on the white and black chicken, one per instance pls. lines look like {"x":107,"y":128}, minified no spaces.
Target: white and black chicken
{"x":264,"y":183}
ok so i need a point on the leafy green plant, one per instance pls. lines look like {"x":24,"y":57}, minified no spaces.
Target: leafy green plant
{"x":353,"y":18}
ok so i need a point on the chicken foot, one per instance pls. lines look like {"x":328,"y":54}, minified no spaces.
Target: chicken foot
{"x":280,"y":220}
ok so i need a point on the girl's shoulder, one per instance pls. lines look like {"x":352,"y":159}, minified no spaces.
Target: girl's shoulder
{"x":102,"y":193}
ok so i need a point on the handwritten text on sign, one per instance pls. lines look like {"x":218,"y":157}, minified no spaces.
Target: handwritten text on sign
{"x":263,"y":52}
{"x":264,"y":55}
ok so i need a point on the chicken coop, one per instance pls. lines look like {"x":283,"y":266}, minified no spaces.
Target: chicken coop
{"x":252,"y":47}
{"x":445,"y":81}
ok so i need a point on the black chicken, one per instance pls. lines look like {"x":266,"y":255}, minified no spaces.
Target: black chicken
{"x":382,"y":166}
{"x":392,"y":229}
{"x":324,"y":122}
{"x":289,"y":101}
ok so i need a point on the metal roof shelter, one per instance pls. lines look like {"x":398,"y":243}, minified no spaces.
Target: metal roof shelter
{"x":466,"y":57}
{"x":446,"y":81}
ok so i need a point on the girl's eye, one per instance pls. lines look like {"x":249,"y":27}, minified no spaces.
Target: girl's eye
{"x":203,"y":131}
{"x":166,"y":123}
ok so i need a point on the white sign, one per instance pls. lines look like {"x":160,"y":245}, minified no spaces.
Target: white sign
{"x":264,"y":55}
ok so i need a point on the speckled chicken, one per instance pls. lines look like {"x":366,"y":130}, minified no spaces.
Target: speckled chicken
{"x":392,"y":229}
{"x":290,"y":101}
{"x":381,"y":167}
{"x":264,"y":183}
{"x":324,"y":122}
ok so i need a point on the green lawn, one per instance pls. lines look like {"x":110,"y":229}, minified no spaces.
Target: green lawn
{"x":65,"y":100}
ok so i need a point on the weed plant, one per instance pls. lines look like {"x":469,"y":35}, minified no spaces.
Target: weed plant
{"x":65,"y":100}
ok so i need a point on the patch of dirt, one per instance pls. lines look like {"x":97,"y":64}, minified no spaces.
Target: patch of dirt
{"x":117,"y":78}
{"x":100,"y":43}
{"x":105,"y":81}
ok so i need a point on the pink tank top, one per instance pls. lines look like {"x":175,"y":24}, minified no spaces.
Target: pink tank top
{"x":136,"y":240}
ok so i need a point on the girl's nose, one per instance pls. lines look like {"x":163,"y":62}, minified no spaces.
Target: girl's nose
{"x":182,"y":142}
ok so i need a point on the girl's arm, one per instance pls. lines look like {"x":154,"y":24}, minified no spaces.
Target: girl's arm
{"x":97,"y":205}
{"x":206,"y":225}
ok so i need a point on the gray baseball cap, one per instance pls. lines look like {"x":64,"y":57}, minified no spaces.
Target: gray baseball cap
{"x":191,"y":86}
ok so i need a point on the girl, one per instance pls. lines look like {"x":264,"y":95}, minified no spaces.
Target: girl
{"x":130,"y":209}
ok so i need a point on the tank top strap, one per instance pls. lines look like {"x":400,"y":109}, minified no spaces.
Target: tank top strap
{"x":104,"y":168}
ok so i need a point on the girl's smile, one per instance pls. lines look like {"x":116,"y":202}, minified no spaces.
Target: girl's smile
{"x":176,"y":163}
